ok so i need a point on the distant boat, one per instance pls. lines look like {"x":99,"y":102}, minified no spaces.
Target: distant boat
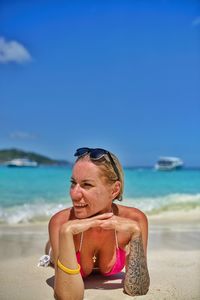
{"x":167,"y":163}
{"x":21,"y":162}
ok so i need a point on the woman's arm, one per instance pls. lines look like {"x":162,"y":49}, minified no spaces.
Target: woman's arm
{"x":67,"y":286}
{"x":137,"y":278}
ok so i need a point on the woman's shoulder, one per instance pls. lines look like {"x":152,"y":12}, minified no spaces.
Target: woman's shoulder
{"x":131,"y":212}
{"x":60,"y":218}
{"x":138,"y":216}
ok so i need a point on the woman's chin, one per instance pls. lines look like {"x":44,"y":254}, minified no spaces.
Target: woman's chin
{"x":83,"y":213}
{"x":80,"y":213}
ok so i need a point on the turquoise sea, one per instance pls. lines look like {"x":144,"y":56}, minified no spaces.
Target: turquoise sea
{"x":34,"y":194}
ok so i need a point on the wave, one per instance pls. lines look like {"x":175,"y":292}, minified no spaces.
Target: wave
{"x":29,"y":213}
{"x":39,"y":212}
{"x":172,"y":207}
{"x":171,"y":202}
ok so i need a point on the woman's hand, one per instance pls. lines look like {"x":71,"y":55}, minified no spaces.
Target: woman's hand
{"x":122,"y":224}
{"x":81,"y":225}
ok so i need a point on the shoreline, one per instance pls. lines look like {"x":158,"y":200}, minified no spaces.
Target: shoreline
{"x":173,"y":262}
{"x":184,"y":217}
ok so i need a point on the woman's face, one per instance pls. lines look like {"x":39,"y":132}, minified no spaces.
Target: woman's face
{"x":89,"y":192}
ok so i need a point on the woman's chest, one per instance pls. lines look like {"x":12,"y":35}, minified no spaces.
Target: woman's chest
{"x":99,"y":251}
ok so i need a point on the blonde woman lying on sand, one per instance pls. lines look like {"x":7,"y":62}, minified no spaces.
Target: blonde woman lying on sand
{"x":94,"y":233}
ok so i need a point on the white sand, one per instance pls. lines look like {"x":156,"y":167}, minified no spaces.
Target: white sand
{"x":173,"y":261}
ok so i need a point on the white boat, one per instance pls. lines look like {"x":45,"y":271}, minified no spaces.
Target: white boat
{"x":21,"y":162}
{"x":167,"y":163}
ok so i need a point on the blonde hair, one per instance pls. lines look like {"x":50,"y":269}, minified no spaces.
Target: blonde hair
{"x":108,"y":171}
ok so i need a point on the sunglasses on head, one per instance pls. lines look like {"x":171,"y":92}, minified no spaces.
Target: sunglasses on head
{"x":96,"y":154}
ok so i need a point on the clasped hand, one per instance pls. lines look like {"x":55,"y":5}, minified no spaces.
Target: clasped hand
{"x":105,"y":221}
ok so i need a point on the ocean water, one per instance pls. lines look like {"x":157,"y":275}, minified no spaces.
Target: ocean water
{"x":35,"y":194}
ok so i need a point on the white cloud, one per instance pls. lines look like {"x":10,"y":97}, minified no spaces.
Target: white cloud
{"x":196,"y":21}
{"x":20,"y":135}
{"x":12,"y":51}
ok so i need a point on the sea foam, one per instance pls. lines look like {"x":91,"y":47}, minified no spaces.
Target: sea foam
{"x":42,"y":211}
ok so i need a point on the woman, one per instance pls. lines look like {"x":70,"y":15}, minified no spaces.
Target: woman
{"x":94,"y":233}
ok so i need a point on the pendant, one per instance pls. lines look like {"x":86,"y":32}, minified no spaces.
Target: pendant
{"x":94,"y":258}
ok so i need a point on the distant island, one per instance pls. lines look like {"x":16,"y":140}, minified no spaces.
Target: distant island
{"x":10,"y":154}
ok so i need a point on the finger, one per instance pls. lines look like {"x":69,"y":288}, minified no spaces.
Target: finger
{"x":108,"y":224}
{"x":107,"y":227}
{"x":102,"y":216}
{"x":96,"y":223}
{"x":89,"y":224}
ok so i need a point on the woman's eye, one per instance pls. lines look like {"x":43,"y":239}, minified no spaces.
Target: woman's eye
{"x":73,"y":183}
{"x":87,"y":185}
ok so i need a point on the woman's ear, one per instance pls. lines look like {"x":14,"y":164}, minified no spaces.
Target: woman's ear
{"x":116,"y":189}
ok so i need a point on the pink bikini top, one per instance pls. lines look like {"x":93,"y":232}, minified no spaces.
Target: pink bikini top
{"x":119,"y":263}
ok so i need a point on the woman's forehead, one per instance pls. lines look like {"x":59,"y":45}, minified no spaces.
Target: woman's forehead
{"x":85,"y":168}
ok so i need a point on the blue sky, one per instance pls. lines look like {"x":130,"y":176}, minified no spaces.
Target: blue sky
{"x":121,"y":75}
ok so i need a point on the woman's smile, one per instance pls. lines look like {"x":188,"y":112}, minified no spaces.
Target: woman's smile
{"x":80,"y":205}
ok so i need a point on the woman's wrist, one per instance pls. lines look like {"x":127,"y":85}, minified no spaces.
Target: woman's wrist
{"x":65,"y":229}
{"x":66,"y":253}
{"x":66,"y":239}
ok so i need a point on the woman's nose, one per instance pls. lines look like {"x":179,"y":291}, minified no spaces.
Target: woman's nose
{"x":76,"y":192}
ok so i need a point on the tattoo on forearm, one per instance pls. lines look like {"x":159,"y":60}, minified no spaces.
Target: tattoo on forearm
{"x":137,"y":279}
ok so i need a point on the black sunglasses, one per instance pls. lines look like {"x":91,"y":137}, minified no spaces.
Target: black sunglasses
{"x":96,"y":154}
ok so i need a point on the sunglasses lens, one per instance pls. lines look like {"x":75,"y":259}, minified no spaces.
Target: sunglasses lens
{"x":81,"y":151}
{"x":97,"y":153}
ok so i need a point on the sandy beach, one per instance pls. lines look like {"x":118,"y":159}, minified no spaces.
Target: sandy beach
{"x":173,"y":261}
